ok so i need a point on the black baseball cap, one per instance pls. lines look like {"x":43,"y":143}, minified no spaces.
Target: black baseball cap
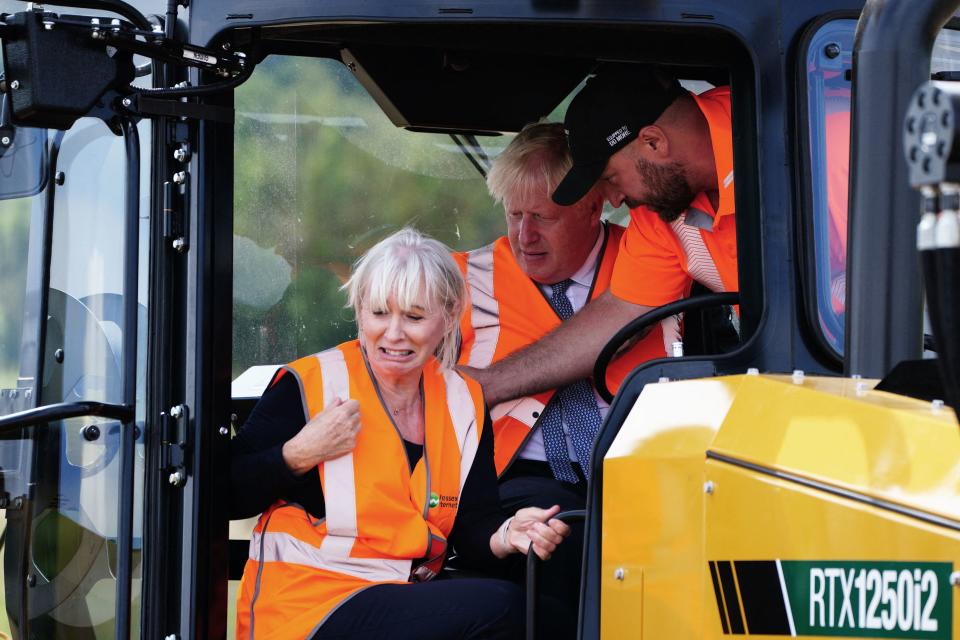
{"x":606,"y":116}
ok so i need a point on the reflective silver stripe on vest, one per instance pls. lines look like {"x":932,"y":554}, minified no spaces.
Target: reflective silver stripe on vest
{"x":485,"y":311}
{"x":283,"y":547}
{"x":463,"y":414}
{"x":700,"y":263}
{"x":340,"y":493}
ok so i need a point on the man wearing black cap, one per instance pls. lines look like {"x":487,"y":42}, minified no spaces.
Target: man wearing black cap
{"x":668,"y":155}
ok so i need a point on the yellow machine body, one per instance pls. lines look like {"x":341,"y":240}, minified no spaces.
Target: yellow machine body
{"x":776,"y":506}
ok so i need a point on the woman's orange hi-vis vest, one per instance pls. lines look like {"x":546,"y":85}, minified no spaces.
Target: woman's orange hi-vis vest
{"x":383,"y":523}
{"x":508,"y":311}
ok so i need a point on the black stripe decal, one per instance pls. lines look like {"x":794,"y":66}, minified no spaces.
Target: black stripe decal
{"x":730,"y":596}
{"x":716,"y":592}
{"x":762,"y":600}
{"x":879,"y":503}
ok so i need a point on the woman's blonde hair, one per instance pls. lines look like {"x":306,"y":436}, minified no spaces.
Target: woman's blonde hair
{"x":416,"y":271}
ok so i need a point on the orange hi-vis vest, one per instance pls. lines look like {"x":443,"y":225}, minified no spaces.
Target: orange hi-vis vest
{"x":383,"y":524}
{"x":508,"y":311}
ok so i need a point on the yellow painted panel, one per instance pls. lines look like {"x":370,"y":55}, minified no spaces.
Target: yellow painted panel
{"x":751,"y":516}
{"x":653,"y":511}
{"x":887,"y":446}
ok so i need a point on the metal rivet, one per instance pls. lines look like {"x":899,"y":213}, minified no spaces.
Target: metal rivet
{"x":224,"y":431}
{"x":91,"y":433}
{"x":60,"y":178}
{"x":955,"y":579}
{"x":15,"y":84}
{"x":58,"y":355}
{"x":753,"y":371}
{"x":225,"y":46}
{"x":176,"y":411}
{"x":619,"y":573}
{"x":182,"y":153}
{"x":176,"y":478}
{"x":709,"y":487}
{"x":663,"y":379}
{"x":180,"y":177}
{"x":126,"y":102}
{"x":31,"y":580}
{"x":936,"y":404}
{"x":18,"y":502}
{"x":5,"y":141}
{"x":180,"y":245}
{"x":798,"y":376}
{"x":832,"y":50}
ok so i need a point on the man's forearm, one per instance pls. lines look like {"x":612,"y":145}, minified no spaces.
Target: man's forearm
{"x":568,"y":353}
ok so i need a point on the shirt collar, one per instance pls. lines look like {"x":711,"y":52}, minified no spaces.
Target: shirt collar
{"x":714,"y":105}
{"x":584,"y":275}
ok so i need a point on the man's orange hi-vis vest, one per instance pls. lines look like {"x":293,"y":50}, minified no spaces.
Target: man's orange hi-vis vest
{"x":508,"y":311}
{"x":383,"y":523}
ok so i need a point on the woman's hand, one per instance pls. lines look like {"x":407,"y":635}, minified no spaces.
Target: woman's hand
{"x":329,"y":434}
{"x":530,"y":525}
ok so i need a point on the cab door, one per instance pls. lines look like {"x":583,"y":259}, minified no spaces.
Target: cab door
{"x":73,"y":247}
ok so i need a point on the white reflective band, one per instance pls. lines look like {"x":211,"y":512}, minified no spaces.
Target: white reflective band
{"x":485,"y":310}
{"x":727,"y":180}
{"x":671,"y":332}
{"x":463,"y":414}
{"x":700,"y":263}
{"x":340,"y":493}
{"x":283,"y":547}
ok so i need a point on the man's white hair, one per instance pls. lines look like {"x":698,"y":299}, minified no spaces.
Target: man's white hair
{"x":416,"y":271}
{"x":538,"y":157}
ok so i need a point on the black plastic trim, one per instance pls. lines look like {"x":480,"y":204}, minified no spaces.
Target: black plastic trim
{"x":879,"y":503}
{"x":533,"y":564}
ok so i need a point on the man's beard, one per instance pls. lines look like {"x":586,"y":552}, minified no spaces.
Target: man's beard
{"x":667,"y":190}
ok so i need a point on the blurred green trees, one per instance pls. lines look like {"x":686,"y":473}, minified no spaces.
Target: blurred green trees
{"x":321,"y":175}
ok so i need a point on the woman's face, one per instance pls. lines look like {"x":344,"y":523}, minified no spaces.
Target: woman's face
{"x":399,"y":341}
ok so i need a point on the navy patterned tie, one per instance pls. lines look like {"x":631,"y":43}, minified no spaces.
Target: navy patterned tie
{"x":574,"y":405}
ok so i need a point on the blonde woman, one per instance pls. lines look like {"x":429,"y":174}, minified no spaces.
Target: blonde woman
{"x":371,"y":460}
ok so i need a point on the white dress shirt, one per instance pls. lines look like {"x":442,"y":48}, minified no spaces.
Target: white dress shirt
{"x":577,"y":293}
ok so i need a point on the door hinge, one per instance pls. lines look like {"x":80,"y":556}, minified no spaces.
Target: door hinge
{"x":175,"y":425}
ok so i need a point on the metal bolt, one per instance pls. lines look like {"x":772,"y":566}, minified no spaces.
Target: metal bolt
{"x":58,"y":355}
{"x":176,"y":411}
{"x":18,"y":502}
{"x":832,"y":50}
{"x":126,"y":102}
{"x":224,"y":431}
{"x":181,"y":153}
{"x":955,"y":579}
{"x":798,"y":376}
{"x":936,"y":405}
{"x":5,"y":141}
{"x":180,"y":245}
{"x":60,"y":178}
{"x":47,"y":24}
{"x":709,"y":487}
{"x":663,"y":379}
{"x":179,"y":177}
{"x":172,"y":636}
{"x":225,"y":46}
{"x":177,"y":478}
{"x":91,"y":433}
{"x":115,"y":25}
{"x":31,"y":580}
{"x":15,"y":84}
{"x":753,"y":371}
{"x":619,"y":573}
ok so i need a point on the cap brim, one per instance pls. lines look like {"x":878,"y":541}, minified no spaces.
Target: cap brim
{"x":577,"y":183}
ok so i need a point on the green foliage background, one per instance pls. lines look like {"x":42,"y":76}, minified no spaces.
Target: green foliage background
{"x":321,"y":175}
{"x":14,"y":237}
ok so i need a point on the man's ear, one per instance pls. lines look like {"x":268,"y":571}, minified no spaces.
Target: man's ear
{"x":654,"y":141}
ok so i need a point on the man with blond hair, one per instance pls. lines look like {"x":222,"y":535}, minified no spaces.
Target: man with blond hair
{"x":553,"y":260}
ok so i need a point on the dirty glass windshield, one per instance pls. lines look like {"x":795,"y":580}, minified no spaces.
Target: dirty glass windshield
{"x":321,"y":175}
